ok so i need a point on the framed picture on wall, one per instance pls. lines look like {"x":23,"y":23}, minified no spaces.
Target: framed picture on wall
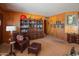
{"x":71,"y":20}
{"x":58,"y":24}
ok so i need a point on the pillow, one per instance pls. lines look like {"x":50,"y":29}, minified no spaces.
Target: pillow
{"x":19,"y":37}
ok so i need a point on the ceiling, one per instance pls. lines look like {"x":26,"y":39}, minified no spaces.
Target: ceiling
{"x":45,"y":9}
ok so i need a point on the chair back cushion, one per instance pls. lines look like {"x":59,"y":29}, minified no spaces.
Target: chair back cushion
{"x":19,"y":38}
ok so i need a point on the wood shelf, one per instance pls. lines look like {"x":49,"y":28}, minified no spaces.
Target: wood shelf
{"x":26,"y":25}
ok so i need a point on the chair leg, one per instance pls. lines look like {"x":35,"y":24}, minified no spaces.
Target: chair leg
{"x":36,"y":54}
{"x":21,"y":51}
{"x":28,"y":52}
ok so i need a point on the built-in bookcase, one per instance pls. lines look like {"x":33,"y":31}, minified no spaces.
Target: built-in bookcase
{"x":26,"y":24}
{"x":40,"y":25}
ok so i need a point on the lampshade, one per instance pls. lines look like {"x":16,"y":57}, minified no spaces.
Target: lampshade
{"x":10,"y":28}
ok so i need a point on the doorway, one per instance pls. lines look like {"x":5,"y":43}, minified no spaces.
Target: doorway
{"x":45,"y":27}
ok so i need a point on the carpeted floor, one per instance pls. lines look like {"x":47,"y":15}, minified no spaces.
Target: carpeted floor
{"x":51,"y":46}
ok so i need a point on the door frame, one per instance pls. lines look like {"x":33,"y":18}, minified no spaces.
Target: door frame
{"x":1,"y":28}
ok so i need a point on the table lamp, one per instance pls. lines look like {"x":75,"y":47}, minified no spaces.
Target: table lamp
{"x":11,"y":28}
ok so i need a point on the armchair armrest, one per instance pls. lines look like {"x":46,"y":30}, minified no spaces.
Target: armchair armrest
{"x":12,"y":42}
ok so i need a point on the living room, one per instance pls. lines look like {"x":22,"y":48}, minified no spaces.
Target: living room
{"x":33,"y":29}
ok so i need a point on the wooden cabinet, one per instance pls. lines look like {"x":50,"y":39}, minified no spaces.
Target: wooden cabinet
{"x":33,"y":28}
{"x":73,"y":38}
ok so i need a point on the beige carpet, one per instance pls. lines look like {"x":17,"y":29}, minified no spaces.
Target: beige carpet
{"x":51,"y":46}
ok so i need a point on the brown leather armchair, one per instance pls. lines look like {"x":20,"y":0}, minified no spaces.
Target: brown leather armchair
{"x":21,"y":42}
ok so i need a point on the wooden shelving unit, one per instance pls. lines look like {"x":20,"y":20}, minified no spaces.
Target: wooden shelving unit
{"x":26,"y":25}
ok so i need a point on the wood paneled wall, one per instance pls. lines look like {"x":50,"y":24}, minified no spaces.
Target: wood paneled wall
{"x":13,"y":18}
{"x":1,"y":26}
{"x":59,"y":33}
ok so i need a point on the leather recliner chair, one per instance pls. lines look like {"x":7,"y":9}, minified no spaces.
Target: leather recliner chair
{"x":21,"y":42}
